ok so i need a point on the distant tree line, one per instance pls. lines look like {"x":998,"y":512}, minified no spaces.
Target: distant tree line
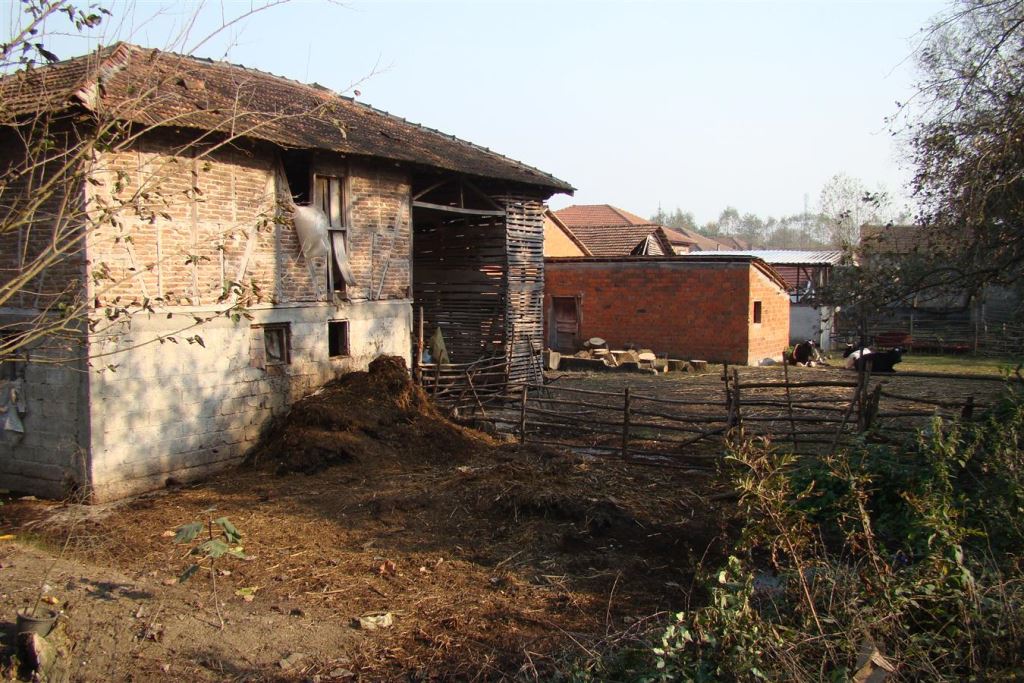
{"x":844,"y":204}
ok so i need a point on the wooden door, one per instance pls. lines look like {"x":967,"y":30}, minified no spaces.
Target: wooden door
{"x":565,"y":316}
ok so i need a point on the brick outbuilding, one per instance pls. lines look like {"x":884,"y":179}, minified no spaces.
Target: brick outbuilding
{"x":720,"y":309}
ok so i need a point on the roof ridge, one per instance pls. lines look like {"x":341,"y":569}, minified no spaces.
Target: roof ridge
{"x":325,"y":92}
{"x":88,"y":89}
{"x":627,"y":216}
{"x":90,"y":71}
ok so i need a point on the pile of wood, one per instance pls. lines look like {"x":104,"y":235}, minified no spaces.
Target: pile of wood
{"x":596,"y":356}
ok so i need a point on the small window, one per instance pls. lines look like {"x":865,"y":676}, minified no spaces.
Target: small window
{"x":337,"y":338}
{"x":757,"y":311}
{"x":277,"y":344}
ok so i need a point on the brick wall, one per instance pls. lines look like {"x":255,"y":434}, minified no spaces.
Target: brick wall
{"x":769,"y":338}
{"x":690,"y":310}
{"x":42,"y":226}
{"x":186,"y":220}
{"x":41,"y":212}
{"x":380,"y":234}
{"x":196,"y":221}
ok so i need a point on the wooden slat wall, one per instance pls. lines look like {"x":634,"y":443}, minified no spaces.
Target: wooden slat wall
{"x":524,"y":320}
{"x":481,"y":279}
{"x":459,"y":280}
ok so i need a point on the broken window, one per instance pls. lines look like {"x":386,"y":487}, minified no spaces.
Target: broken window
{"x":270,"y":345}
{"x":757,"y":311}
{"x":298,"y":171}
{"x":337,"y":338}
{"x":329,"y":198}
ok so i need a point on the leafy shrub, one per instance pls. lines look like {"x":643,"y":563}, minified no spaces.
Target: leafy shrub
{"x":911,"y":553}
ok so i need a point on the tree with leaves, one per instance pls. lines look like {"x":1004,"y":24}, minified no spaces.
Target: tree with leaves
{"x":967,"y":139}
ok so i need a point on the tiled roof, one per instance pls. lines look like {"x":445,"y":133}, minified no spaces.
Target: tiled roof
{"x":732,"y":242}
{"x":701,"y":242}
{"x":596,"y":215}
{"x":604,"y":215}
{"x":158,"y":88}
{"x":679,"y":237}
{"x":549,"y":216}
{"x":621,"y":240}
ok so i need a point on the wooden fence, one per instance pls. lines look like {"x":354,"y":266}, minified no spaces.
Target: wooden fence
{"x":809,"y":415}
{"x":937,"y":336}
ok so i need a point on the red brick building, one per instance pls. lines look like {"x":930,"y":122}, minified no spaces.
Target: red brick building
{"x":720,"y":309}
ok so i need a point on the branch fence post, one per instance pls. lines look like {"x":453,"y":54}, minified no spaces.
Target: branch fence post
{"x":522,"y":415}
{"x":789,"y":402}
{"x":736,"y":396}
{"x":625,"y":423}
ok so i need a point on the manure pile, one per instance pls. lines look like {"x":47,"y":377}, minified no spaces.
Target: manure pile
{"x":364,"y":416}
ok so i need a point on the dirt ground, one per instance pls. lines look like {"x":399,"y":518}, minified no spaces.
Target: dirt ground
{"x":494,"y":561}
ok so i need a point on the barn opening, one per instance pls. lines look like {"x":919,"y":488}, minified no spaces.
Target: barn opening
{"x":478,"y":270}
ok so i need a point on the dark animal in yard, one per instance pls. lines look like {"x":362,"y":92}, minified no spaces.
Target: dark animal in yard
{"x":881,"y":361}
{"x":805,"y":353}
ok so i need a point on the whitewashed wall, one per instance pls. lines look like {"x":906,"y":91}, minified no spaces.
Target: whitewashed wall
{"x":175,"y":412}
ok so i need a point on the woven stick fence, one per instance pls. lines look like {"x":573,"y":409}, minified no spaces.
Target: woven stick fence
{"x":810,"y":416}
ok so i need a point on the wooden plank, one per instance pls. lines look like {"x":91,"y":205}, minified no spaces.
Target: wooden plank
{"x":456,"y":209}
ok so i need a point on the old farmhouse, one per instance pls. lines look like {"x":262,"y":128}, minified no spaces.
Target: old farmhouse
{"x":232,"y":241}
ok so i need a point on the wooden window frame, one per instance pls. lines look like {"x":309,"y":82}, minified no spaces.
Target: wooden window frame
{"x":345,"y":349}
{"x":284,"y":332}
{"x":329,"y":195}
{"x":758,"y":312}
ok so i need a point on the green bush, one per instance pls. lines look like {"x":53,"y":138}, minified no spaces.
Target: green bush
{"x":912,"y":552}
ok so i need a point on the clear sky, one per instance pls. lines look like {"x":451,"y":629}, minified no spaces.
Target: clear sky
{"x":639,"y":104}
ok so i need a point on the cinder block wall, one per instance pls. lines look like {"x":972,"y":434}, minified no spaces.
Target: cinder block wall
{"x":180,"y":411}
{"x":690,"y":310}
{"x":49,"y":459}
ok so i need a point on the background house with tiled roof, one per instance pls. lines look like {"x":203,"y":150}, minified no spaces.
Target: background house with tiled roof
{"x":730,"y":308}
{"x":604,"y":218}
{"x":207,"y":162}
{"x":945,"y":318}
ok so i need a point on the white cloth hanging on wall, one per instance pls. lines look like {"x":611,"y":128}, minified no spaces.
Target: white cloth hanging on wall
{"x":12,"y":405}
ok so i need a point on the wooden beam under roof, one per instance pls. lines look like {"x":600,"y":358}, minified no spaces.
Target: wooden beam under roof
{"x":455,"y":209}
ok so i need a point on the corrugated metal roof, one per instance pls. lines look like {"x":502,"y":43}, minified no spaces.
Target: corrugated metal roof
{"x":788,"y":257}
